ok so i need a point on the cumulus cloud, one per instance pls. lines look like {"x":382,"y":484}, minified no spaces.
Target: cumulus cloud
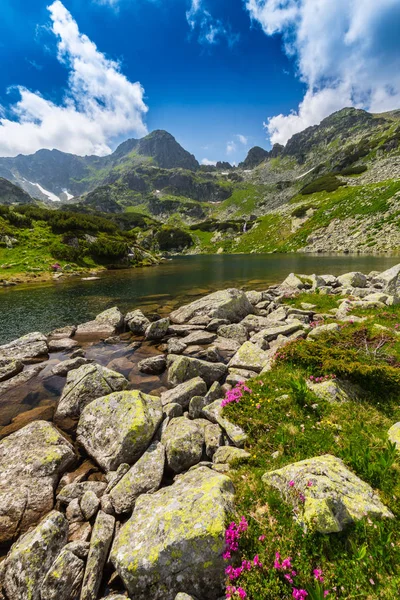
{"x":208,"y":163}
{"x":209,"y":30}
{"x":242,"y":139}
{"x":100,"y":103}
{"x":231,"y":147}
{"x":347,"y":54}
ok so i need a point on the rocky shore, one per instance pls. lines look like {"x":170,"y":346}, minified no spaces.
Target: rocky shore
{"x":125,"y":492}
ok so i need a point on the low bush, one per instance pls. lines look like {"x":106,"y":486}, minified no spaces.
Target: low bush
{"x":356,"y":170}
{"x":326,"y":183}
{"x":173,"y":238}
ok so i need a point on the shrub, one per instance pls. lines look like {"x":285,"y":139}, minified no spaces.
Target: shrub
{"x":356,"y":170}
{"x":108,"y":249}
{"x":169,"y":238}
{"x":326,"y":183}
{"x":300,"y":211}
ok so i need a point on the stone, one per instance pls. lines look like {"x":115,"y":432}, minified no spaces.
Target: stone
{"x":175,"y":539}
{"x":278,"y":314}
{"x":143,"y":478}
{"x":89,"y":505}
{"x":64,"y":579}
{"x":226,"y":347}
{"x":376,"y":297}
{"x":249,"y":356}
{"x":21,"y":379}
{"x":79,"y":532}
{"x":137,"y":322}
{"x":232,"y":305}
{"x":394,"y":435}
{"x":270,"y":334}
{"x":228,"y":454}
{"x":106,"y":505}
{"x":9,"y":367}
{"x":79,"y":548}
{"x":84,"y":385}
{"x":199,"y":337}
{"x":63,"y":368}
{"x":213,"y":412}
{"x":201,"y":320}
{"x":75,"y":491}
{"x":73,"y":512}
{"x":157,"y":330}
{"x":118,"y":428}
{"x":254,"y":297}
{"x":173,"y":410}
{"x":182,"y":393}
{"x":255,"y":323}
{"x":183,"y":441}
{"x":100,"y":543}
{"x":214,"y":392}
{"x":32,"y":460}
{"x":31,"y":557}
{"x":239,"y":375}
{"x":105,"y":324}
{"x":389,"y":280}
{"x":336,"y":390}
{"x":214,"y":324}
{"x":62,"y":344}
{"x":185,"y":368}
{"x":196,"y":405}
{"x":184,"y":329}
{"x":27,"y":348}
{"x":336,"y":497}
{"x":176,"y":346}
{"x":213,"y":438}
{"x":40,"y":413}
{"x":234,"y":332}
{"x":354,"y":279}
{"x":323,"y":329}
{"x":63,"y":332}
{"x":153,"y":365}
{"x":293,"y":281}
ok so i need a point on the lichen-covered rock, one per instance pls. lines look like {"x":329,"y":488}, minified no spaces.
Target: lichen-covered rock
{"x":105,"y":324}
{"x":157,"y":330}
{"x":143,"y":478}
{"x":62,"y":344}
{"x":64,"y":367}
{"x":118,"y":428}
{"x":137,"y":322}
{"x":336,"y":390}
{"x":89,"y":505}
{"x":234,"y":332}
{"x":196,"y":405}
{"x":32,"y":461}
{"x":354,"y":279}
{"x":73,"y":491}
{"x":9,"y":367}
{"x":213,"y":438}
{"x":214,"y":413}
{"x":228,"y":454}
{"x":394,"y":435}
{"x":84,"y":385}
{"x":323,"y":329}
{"x":182,"y":393}
{"x":175,"y":539}
{"x":232,"y":305}
{"x":271,"y":333}
{"x":173,"y":409}
{"x":27,"y":348}
{"x":249,"y":356}
{"x":32,"y":555}
{"x":64,"y":579}
{"x":255,"y":323}
{"x":176,"y":346}
{"x":199,"y":337}
{"x":100,"y":542}
{"x":333,"y":496}
{"x":153,"y":365}
{"x":293,"y":281}
{"x":184,"y":368}
{"x":183,"y":441}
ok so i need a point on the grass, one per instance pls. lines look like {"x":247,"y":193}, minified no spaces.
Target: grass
{"x":322,"y":302}
{"x":286,"y":423}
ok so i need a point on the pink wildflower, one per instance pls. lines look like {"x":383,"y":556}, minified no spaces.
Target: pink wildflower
{"x":299,"y":594}
{"x":291,"y":483}
{"x":261,"y":538}
{"x":257,"y":562}
{"x":242,"y":594}
{"x":318,"y":575}
{"x":326,"y":593}
{"x":309,"y":483}
{"x":287,"y":564}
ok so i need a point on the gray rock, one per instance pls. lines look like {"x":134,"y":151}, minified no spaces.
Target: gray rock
{"x":73,"y":512}
{"x":199,"y":337}
{"x":176,"y":346}
{"x":214,"y":324}
{"x":176,"y":538}
{"x":336,"y":390}
{"x":113,"y":477}
{"x":157,"y":330}
{"x":232,"y":305}
{"x":84,"y":385}
{"x":182,"y":393}
{"x":234,"y":332}
{"x":9,"y":367}
{"x":173,"y":410}
{"x":106,"y":505}
{"x":227,"y":455}
{"x":143,"y":478}
{"x":255,"y":323}
{"x":254,"y":297}
{"x":32,"y":460}
{"x":394,"y":435}
{"x":239,"y":375}
{"x":293,"y":281}
{"x":249,"y":356}
{"x":64,"y":579}
{"x":100,"y":543}
{"x":27,"y":348}
{"x":79,"y":548}
{"x":64,"y":367}
{"x":183,"y":441}
{"x":79,"y":532}
{"x":213,"y":412}
{"x":62,"y":344}
{"x":196,"y":405}
{"x":118,"y":428}
{"x":354,"y":279}
{"x":273,"y":332}
{"x":323,"y":329}
{"x":214,"y":392}
{"x":184,"y":329}
{"x":75,"y":491}
{"x":21,"y":379}
{"x":137,"y":322}
{"x":185,"y":368}
{"x":153,"y":365}
{"x":63,"y":332}
{"x":213,"y":438}
{"x":105,"y":324}
{"x":89,"y":505}
{"x":31,"y":557}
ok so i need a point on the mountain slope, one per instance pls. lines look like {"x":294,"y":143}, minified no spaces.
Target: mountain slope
{"x":12,"y":194}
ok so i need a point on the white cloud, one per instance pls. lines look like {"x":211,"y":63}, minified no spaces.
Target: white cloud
{"x":100,"y":103}
{"x":242,"y":139}
{"x":209,"y":30}
{"x":208,"y":163}
{"x":347,"y":53}
{"x":231,"y":147}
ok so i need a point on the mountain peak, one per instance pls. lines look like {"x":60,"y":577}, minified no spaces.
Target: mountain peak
{"x":166,"y":151}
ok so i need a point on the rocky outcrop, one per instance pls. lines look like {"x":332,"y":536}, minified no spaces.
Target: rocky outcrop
{"x":232,"y":305}
{"x":175,"y":539}
{"x":28,"y":348}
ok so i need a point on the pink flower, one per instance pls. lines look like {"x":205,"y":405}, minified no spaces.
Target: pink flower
{"x":257,"y":562}
{"x":302,"y":498}
{"x":241,"y":592}
{"x":246,"y":565}
{"x":318,"y":575}
{"x":326,"y":593}
{"x":309,"y":483}
{"x":299,"y":594}
{"x":258,"y":405}
{"x":291,"y":483}
{"x":261,"y":538}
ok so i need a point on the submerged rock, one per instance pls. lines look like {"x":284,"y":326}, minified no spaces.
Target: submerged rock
{"x":153,"y":365}
{"x":27,"y":348}
{"x":333,"y":496}
{"x":175,"y":539}
{"x":232,"y":305}
{"x":118,"y":428}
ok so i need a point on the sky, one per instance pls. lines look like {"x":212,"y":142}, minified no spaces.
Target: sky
{"x":220,"y":75}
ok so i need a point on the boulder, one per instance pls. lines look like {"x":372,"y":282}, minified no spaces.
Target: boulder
{"x":394,"y":435}
{"x":333,"y":496}
{"x":27,"y":348}
{"x":199,"y":337}
{"x":293,"y":281}
{"x":183,"y":392}
{"x":63,"y":332}
{"x":354,"y":279}
{"x":153,"y":365}
{"x":62,"y":344}
{"x":176,"y":346}
{"x":390,"y":281}
{"x":89,"y":505}
{"x":239,"y":375}
{"x":271,"y":333}
{"x":9,"y":367}
{"x":228,"y":454}
{"x":64,"y":579}
{"x":323,"y":329}
{"x":22,"y":378}
{"x":173,"y":410}
{"x":184,"y":368}
{"x":137,"y":322}
{"x":64,"y":367}
{"x":32,"y":460}
{"x":84,"y":385}
{"x":336,"y":390}
{"x":175,"y":539}
{"x":254,"y":323}
{"x":249,"y":356}
{"x":196,"y":405}
{"x":100,"y":542}
{"x":183,"y":441}
{"x":143,"y":478}
{"x":254,"y":297}
{"x":76,"y":491}
{"x":233,"y":332}
{"x":31,"y":557}
{"x":105,"y":324}
{"x":232,"y":305}
{"x":118,"y":428}
{"x":213,"y":412}
{"x":157,"y":330}
{"x":213,"y":438}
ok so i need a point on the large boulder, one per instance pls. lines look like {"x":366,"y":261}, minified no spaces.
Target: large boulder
{"x":31,"y":557}
{"x":84,"y":385}
{"x":184,"y":392}
{"x":233,"y":332}
{"x":118,"y":428}
{"x":232,"y":305}
{"x":394,"y":435}
{"x":9,"y":367}
{"x":183,"y":441}
{"x":354,"y":279}
{"x":184,"y":368}
{"x":32,"y":460}
{"x":390,"y":281}
{"x":250,"y":356}
{"x":27,"y":348}
{"x":105,"y":324}
{"x":157,"y":330}
{"x":329,"y":495}
{"x":143,"y":478}
{"x":137,"y":322}
{"x":175,"y":539}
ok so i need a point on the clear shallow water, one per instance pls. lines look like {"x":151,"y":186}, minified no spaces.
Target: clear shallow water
{"x":160,"y":288}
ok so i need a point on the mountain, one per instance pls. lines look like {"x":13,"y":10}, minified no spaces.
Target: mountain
{"x":12,"y":194}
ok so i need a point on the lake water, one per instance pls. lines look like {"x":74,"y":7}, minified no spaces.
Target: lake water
{"x":161,"y":288}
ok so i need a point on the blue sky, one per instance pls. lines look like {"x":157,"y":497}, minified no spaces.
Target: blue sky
{"x":220,"y":75}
